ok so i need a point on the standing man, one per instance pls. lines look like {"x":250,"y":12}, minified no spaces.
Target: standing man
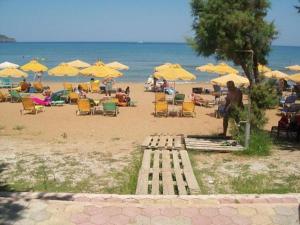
{"x":234,"y":102}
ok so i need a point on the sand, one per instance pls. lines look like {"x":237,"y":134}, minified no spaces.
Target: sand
{"x":61,"y":126}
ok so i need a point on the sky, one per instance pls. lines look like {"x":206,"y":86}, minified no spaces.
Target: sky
{"x":120,"y":20}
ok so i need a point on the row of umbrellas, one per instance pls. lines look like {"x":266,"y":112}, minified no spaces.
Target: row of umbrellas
{"x":73,"y":68}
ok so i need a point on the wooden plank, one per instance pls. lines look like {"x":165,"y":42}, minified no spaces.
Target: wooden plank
{"x":201,"y":147}
{"x":170,"y":142}
{"x":168,"y":186}
{"x":155,"y":177}
{"x":162,"y":141}
{"x":178,"y":174}
{"x":147,"y":141}
{"x":142,"y":184}
{"x":178,"y":142}
{"x":211,"y":144}
{"x":215,"y":146}
{"x":154,"y":142}
{"x":146,"y":160}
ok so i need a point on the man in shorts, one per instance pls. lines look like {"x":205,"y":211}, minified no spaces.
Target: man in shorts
{"x":234,"y":102}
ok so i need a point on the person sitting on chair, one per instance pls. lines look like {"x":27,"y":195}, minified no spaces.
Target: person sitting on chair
{"x":25,"y":86}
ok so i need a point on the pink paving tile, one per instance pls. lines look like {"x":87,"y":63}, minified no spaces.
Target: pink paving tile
{"x":245,"y":200}
{"x":209,"y":211}
{"x":111,"y":211}
{"x":228,"y":211}
{"x":289,"y":200}
{"x":201,"y":220}
{"x":79,"y":218}
{"x":221,"y":220}
{"x":82,"y":199}
{"x":227,"y":200}
{"x":119,"y":220}
{"x":131,"y":211}
{"x":99,"y":219}
{"x":274,"y":200}
{"x":87,"y":223}
{"x":92,"y":210}
{"x":150,"y":211}
{"x":190,"y":212}
{"x":259,"y":200}
{"x":170,"y":211}
{"x":241,"y":220}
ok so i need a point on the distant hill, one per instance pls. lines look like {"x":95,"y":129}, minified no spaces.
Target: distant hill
{"x":4,"y":39}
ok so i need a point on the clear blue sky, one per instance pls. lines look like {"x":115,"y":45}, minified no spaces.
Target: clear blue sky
{"x":119,"y":20}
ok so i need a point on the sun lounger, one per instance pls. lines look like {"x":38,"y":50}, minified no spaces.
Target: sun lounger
{"x":110,"y":108}
{"x":29,"y":106}
{"x":95,"y":88}
{"x":16,"y":96}
{"x":73,"y":97}
{"x":84,"y":107}
{"x":188,"y":109}
{"x":160,"y":97}
{"x":68,"y":86}
{"x":3,"y":97}
{"x":6,"y":83}
{"x":161,"y":108}
{"x":179,"y":99}
{"x":85,"y":87}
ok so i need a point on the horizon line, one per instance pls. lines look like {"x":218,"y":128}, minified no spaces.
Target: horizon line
{"x":128,"y":42}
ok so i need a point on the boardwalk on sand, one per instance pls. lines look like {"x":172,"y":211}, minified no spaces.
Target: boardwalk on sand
{"x":166,"y":168}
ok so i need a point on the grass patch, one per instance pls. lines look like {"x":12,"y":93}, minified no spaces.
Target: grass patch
{"x":126,"y":180}
{"x":19,"y":127}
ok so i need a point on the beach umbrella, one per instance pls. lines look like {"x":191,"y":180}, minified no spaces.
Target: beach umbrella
{"x":78,"y":64}
{"x":223,"y":69}
{"x":117,"y":66}
{"x":237,"y":79}
{"x":294,"y":68}
{"x":34,"y":66}
{"x":163,"y":66}
{"x":99,"y":69}
{"x":63,"y":69}
{"x":276,"y":75}
{"x":12,"y":72}
{"x":263,"y":68}
{"x":206,"y":68}
{"x":173,"y":72}
{"x":5,"y":65}
{"x":295,"y":78}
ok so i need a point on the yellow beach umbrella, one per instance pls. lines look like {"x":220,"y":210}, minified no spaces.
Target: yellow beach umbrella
{"x":99,"y":69}
{"x":295,"y":78}
{"x":78,"y":64}
{"x":173,"y":72}
{"x":12,"y":72}
{"x":223,"y":68}
{"x":63,"y":69}
{"x":163,"y":66}
{"x":263,"y":68}
{"x":276,"y":75}
{"x":206,"y":68}
{"x":237,"y":79}
{"x":34,"y":66}
{"x":294,"y":67}
{"x":117,"y":66}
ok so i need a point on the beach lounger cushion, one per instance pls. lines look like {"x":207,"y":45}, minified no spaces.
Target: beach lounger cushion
{"x":30,"y":107}
{"x":110,"y":108}
{"x":161,"y":108}
{"x":188,"y":109}
{"x":84,"y":107}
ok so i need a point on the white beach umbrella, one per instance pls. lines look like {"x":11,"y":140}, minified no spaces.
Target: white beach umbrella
{"x":5,"y":65}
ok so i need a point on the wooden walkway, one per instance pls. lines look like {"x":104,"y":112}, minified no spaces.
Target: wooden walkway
{"x":212,"y":145}
{"x":166,"y":168}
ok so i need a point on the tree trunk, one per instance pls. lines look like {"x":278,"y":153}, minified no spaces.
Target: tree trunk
{"x":255,"y":69}
{"x":247,"y":72}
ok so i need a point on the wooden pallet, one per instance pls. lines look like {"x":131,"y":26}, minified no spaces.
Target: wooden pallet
{"x":205,"y":144}
{"x":165,"y":172}
{"x":163,"y":142}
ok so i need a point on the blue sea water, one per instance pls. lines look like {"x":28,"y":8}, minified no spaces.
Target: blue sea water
{"x":140,"y":57}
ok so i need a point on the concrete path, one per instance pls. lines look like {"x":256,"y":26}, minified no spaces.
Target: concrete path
{"x":92,"y":209}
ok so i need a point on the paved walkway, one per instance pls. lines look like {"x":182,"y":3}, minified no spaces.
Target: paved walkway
{"x":92,"y":209}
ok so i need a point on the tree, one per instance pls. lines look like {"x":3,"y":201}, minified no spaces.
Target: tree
{"x":298,"y":7}
{"x":233,"y":29}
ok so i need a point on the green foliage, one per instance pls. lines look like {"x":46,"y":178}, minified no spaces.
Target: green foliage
{"x":231,"y":28}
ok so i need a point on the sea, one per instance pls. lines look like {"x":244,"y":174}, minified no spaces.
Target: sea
{"x":140,"y":57}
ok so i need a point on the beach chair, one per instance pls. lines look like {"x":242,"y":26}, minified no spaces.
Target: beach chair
{"x":68,"y":87}
{"x":30,"y":107}
{"x":110,"y":108}
{"x":188,"y":109}
{"x":161,"y":108}
{"x":15,"y":96}
{"x":5,"y":83}
{"x":73,"y":97}
{"x":179,"y":99}
{"x":160,"y":97}
{"x":38,"y":86}
{"x":84,"y":107}
{"x":95,"y":87}
{"x":85,"y":87}
{"x":3,"y":97}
